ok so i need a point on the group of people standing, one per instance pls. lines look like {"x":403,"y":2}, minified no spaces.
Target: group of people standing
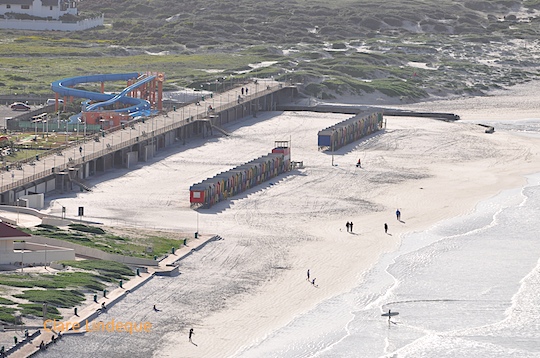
{"x":349,"y":225}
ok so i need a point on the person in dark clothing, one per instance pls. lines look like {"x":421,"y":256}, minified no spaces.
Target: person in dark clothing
{"x":348,"y":224}
{"x":242,"y":91}
{"x":308,"y":274}
{"x":191,"y":333}
{"x":398,"y":215}
{"x":385,"y":228}
{"x":359,"y":164}
{"x":247,"y":90}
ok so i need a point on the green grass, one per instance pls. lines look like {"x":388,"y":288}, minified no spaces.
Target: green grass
{"x":110,"y":270}
{"x":36,"y":310}
{"x":60,"y":280}
{"x":7,"y":315}
{"x":56,"y":298}
{"x":5,"y":301}
{"x":98,"y":238}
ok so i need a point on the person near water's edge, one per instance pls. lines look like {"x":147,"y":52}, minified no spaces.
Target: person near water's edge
{"x":308,"y":274}
{"x":359,"y":164}
{"x":351,"y":226}
{"x":385,"y":228}
{"x":348,"y":224}
{"x":191,"y":333}
{"x":398,"y":214}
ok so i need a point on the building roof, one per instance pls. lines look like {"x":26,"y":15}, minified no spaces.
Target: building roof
{"x":9,"y":232}
{"x":49,"y":2}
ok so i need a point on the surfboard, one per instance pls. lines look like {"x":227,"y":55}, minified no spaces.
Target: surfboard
{"x":390,"y":314}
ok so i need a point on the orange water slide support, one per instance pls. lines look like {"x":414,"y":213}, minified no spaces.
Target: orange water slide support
{"x":160,"y":96}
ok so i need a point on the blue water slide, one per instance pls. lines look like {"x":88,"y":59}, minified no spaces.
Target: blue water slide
{"x":137,"y":106}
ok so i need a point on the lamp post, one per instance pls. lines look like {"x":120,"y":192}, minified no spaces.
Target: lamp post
{"x":18,"y":209}
{"x":22,"y":256}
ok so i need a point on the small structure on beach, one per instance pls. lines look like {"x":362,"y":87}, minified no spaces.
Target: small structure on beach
{"x":239,"y":179}
{"x":350,"y":130}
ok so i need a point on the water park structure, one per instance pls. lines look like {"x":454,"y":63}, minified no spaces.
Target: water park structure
{"x":142,"y":96}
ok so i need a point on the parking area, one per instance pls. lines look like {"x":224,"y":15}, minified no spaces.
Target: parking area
{"x":7,"y":112}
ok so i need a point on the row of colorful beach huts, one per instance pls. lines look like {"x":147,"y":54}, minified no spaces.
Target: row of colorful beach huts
{"x":239,"y":179}
{"x":350,"y":130}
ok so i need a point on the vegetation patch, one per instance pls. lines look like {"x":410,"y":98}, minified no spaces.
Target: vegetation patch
{"x":36,"y":310}
{"x":7,"y":315}
{"x":136,"y":245}
{"x":56,"y":298}
{"x":85,"y":228}
{"x":109,"y":270}
{"x":5,"y":301}
{"x":60,"y":280}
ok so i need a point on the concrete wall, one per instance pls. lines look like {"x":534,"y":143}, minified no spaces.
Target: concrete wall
{"x":45,"y":25}
{"x":38,"y":254}
{"x":34,"y":201}
{"x":6,"y":247}
{"x":132,"y":158}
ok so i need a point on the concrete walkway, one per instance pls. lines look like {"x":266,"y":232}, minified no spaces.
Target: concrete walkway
{"x":167,"y":266}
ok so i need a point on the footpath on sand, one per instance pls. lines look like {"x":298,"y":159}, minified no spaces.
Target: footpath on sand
{"x":167,"y":266}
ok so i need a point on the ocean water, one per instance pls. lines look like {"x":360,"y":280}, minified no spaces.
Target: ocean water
{"x":467,"y":287}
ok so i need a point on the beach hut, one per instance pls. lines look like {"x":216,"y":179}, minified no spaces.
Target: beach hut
{"x":350,"y":130}
{"x":238,"y":179}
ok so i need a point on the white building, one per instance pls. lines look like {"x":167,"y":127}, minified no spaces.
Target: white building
{"x":43,"y":15}
{"x":17,"y":248}
{"x":47,"y":9}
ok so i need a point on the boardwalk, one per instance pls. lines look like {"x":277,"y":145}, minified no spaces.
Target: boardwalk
{"x":73,"y":154}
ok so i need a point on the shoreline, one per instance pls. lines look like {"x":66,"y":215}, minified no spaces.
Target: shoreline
{"x":430,"y":170}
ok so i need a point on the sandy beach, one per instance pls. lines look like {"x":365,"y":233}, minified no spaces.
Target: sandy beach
{"x":239,"y":290}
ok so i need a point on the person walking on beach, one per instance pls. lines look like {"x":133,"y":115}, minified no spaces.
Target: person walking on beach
{"x":242,"y":91}
{"x":308,"y":274}
{"x":313,"y":282}
{"x":348,"y":224}
{"x":359,"y":164}
{"x":191,"y":333}
{"x":385,"y":228}
{"x":398,"y":215}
